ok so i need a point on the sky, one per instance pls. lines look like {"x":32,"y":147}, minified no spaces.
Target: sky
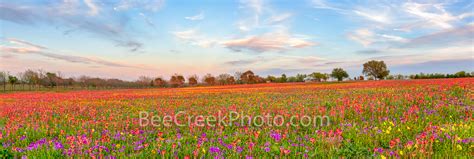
{"x":129,"y":38}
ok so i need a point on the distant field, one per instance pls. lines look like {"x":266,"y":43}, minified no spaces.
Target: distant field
{"x":409,"y":118}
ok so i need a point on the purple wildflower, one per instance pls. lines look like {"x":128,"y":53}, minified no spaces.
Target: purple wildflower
{"x":58,"y":145}
{"x":214,"y":149}
{"x":276,"y":136}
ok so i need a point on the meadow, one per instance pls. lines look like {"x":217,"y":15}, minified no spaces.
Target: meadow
{"x":381,"y":119}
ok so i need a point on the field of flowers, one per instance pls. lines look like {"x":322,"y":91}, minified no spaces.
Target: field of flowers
{"x":382,"y":119}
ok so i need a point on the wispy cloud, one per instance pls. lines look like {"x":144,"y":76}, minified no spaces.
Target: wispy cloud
{"x":147,"y":20}
{"x":367,"y":37}
{"x":147,"y":5}
{"x":434,"y":14}
{"x":23,"y":47}
{"x":69,"y":15}
{"x":267,"y":35}
{"x":369,"y":51}
{"x":376,"y":16}
{"x":322,"y":4}
{"x":275,"y":41}
{"x":94,"y":9}
{"x":199,"y":16}
{"x":192,"y":36}
{"x":278,"y":18}
{"x":455,"y":36}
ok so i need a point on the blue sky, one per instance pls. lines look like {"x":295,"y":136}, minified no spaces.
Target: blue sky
{"x":128,"y":38}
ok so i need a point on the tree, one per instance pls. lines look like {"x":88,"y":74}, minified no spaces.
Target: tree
{"x":209,"y":79}
{"x":237,"y":77}
{"x":49,"y":79}
{"x":222,"y":78}
{"x":317,"y":76}
{"x":31,"y":77}
{"x":231,"y":80}
{"x":292,"y":79}
{"x":177,"y":80}
{"x":271,"y":78}
{"x":283,"y":78}
{"x":248,"y":77}
{"x":300,"y":77}
{"x":3,"y":79}
{"x":193,"y":80}
{"x":145,"y":81}
{"x":460,"y":74}
{"x":12,"y":80}
{"x":159,"y":82}
{"x":376,"y":69}
{"x":339,"y":74}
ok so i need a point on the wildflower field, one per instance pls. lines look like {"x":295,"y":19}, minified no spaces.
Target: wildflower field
{"x":381,"y":119}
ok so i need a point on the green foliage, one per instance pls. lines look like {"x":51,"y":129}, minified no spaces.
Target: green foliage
{"x":5,"y":153}
{"x":339,"y":74}
{"x":460,"y":74}
{"x":350,"y":149}
{"x":376,"y":69}
{"x":317,"y":76}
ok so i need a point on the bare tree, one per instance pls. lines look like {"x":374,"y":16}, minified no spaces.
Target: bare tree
{"x":145,"y":81}
{"x":222,"y":78}
{"x":30,"y":77}
{"x":3,"y":80}
{"x":209,"y":79}
{"x":237,"y":77}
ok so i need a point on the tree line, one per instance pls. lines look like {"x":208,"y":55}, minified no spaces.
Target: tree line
{"x":39,"y":79}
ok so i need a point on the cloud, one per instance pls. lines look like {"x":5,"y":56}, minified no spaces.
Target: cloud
{"x":243,"y":62}
{"x":366,"y":37}
{"x":199,"y":16}
{"x":275,"y":41}
{"x":25,"y":47}
{"x":20,"y":15}
{"x":362,"y":36}
{"x":272,"y":41}
{"x":322,"y":4}
{"x":255,"y":5}
{"x":70,"y":15}
{"x":461,"y":35}
{"x":253,"y":9}
{"x":438,"y":66}
{"x":21,"y":42}
{"x":430,"y":13}
{"x":194,"y":38}
{"x":369,"y":51}
{"x":147,"y":5}
{"x":377,"y":17}
{"x":278,"y":18}
{"x":94,"y":9}
{"x":147,"y":20}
